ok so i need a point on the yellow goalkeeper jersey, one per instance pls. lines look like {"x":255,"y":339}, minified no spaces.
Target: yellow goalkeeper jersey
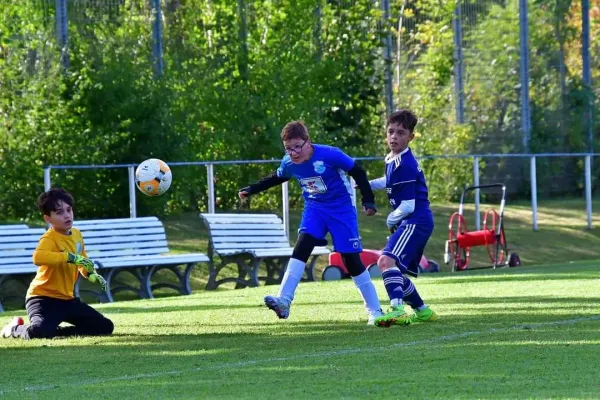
{"x":55,"y":277}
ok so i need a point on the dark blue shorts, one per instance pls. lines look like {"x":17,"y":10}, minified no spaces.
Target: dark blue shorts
{"x":407,"y":245}
{"x":342,"y":224}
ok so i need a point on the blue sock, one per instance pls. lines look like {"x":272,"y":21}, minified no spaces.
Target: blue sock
{"x":411,"y":296}
{"x":393,"y":282}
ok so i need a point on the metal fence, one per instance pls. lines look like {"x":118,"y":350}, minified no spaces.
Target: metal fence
{"x":496,"y":54}
{"x":556,"y":181}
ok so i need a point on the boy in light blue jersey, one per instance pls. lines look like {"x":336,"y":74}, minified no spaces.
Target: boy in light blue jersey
{"x":328,"y":207}
{"x":411,"y":223}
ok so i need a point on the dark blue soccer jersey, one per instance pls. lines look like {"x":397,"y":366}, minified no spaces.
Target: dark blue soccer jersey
{"x":404,"y":180}
{"x":323,"y":178}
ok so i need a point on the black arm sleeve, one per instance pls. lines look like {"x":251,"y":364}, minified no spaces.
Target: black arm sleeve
{"x":360,"y":176}
{"x":265,"y":183}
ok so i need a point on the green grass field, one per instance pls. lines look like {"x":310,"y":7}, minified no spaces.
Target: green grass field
{"x":562,"y":236}
{"x":531,"y":332}
{"x":528,"y":332}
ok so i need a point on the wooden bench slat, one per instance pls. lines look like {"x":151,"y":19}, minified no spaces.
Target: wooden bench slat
{"x":112,"y":221}
{"x":116,"y":246}
{"x":21,"y":232}
{"x":217,"y":227}
{"x":241,"y":232}
{"x":19,"y":246}
{"x":251,"y":240}
{"x":156,"y":260}
{"x":142,"y":224}
{"x":125,"y":239}
{"x":19,"y":269}
{"x":252,"y":246}
{"x":122,"y":232}
{"x":247,"y":220}
{"x":21,"y":239}
{"x":239,"y":217}
{"x":93,"y":254}
{"x":15,"y":226}
{"x":14,"y":260}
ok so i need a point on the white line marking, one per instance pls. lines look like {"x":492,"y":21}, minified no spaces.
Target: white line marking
{"x":242,"y":364}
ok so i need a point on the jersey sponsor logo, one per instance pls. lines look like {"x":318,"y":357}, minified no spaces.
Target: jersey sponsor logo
{"x":313,"y":185}
{"x":319,"y":167}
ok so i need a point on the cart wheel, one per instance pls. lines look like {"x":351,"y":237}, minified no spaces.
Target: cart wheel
{"x":491,"y":247}
{"x":374,"y":271}
{"x":514,"y":260}
{"x":456,"y":227}
{"x":460,"y":264}
{"x":332,"y":273}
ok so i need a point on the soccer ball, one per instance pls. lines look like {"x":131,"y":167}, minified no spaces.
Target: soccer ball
{"x":153,"y":177}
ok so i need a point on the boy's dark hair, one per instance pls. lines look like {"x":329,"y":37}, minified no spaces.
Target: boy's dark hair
{"x":294,"y":130}
{"x":406,"y":118}
{"x":48,"y":201}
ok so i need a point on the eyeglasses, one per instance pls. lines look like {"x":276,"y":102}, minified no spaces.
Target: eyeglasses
{"x":296,"y":149}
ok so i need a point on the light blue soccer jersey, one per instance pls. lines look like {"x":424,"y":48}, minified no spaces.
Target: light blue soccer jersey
{"x":323,"y":178}
{"x":405,"y":181}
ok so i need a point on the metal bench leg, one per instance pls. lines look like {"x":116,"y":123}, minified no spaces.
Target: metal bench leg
{"x":253,"y":272}
{"x":184,"y":286}
{"x":310,"y":269}
{"x":1,"y":307}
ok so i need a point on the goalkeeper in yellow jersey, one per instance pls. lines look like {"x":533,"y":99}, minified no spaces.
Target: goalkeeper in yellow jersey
{"x":61,"y":256}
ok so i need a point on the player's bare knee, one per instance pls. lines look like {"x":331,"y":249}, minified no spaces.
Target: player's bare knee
{"x":384,"y":263}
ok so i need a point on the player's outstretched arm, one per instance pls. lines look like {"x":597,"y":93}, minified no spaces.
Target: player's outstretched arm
{"x":368,"y":198}
{"x":262,"y":185}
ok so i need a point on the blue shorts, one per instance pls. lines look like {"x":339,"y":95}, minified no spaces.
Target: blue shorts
{"x":342,"y":224}
{"x":407,"y":245}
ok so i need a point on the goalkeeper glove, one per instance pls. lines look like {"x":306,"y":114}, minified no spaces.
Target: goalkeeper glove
{"x":81,"y":261}
{"x":97,"y":277}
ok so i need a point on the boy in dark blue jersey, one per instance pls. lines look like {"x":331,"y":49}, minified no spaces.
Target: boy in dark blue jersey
{"x":328,"y":207}
{"x":411,"y":223}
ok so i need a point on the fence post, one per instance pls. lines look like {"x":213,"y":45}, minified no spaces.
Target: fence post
{"x":132,"y":207}
{"x":388,"y":76}
{"x":533,"y":193}
{"x":459,"y":91}
{"x":588,"y":190}
{"x":47,"y":183}
{"x":524,"y":64}
{"x":157,"y":34}
{"x":476,"y":183}
{"x":211,"y":188}
{"x":286,"y":208}
{"x":62,"y":31}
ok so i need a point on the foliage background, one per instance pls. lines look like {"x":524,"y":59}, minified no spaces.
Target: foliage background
{"x":236,"y":71}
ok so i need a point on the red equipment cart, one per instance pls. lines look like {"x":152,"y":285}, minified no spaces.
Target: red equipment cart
{"x":460,"y":240}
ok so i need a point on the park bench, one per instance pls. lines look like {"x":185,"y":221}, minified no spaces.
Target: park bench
{"x":249,"y":240}
{"x":137,"y":246}
{"x":17,"y":243}
{"x":134,"y":245}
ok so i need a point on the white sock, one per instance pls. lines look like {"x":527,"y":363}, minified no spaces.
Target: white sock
{"x":368,"y":292}
{"x":396,"y":302}
{"x":291,"y":279}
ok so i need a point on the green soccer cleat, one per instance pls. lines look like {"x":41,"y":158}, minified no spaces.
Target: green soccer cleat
{"x":396,"y":316}
{"x":425,"y":315}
